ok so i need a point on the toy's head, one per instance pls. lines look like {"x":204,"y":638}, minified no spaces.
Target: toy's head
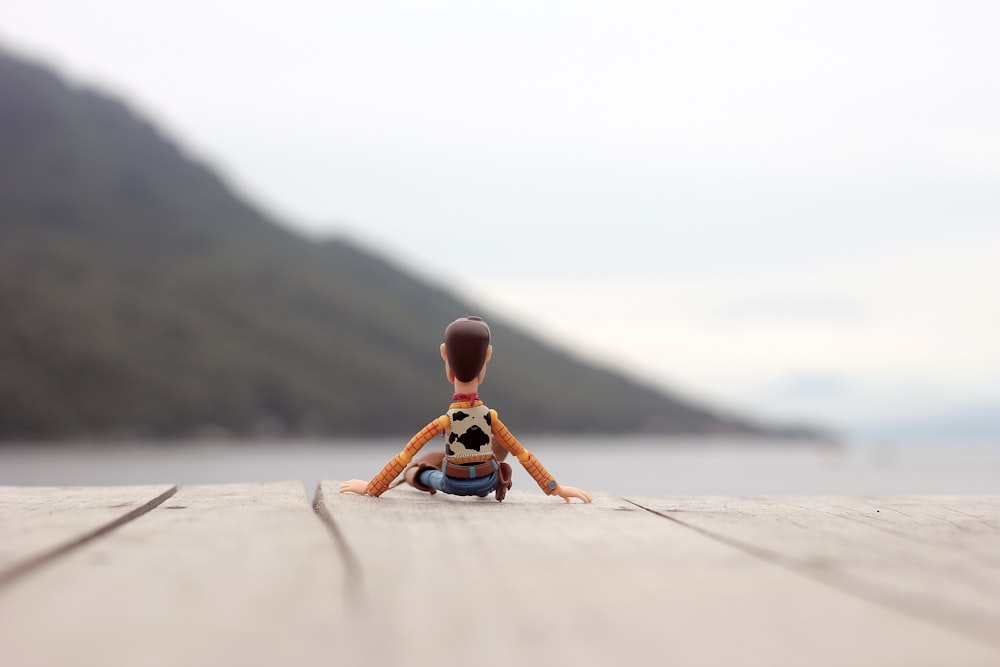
{"x":466,"y":349}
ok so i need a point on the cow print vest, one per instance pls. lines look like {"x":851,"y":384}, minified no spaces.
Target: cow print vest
{"x":468,"y":439}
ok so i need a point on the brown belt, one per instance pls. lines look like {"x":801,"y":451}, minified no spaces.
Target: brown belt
{"x":469,"y":472}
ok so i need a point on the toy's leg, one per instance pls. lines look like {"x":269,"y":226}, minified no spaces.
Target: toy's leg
{"x":414,"y":474}
{"x":503,"y":482}
{"x":478,"y":486}
{"x":430,"y":479}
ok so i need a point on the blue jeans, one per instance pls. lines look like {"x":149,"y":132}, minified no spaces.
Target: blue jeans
{"x":478,"y":486}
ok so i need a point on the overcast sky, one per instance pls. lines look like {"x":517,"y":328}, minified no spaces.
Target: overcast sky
{"x":796,"y":205}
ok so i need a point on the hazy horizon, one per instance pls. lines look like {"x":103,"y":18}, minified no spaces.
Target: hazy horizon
{"x":795,"y":207}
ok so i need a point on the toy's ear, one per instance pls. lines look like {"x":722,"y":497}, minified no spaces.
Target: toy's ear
{"x":447,"y":369}
{"x":482,"y":371}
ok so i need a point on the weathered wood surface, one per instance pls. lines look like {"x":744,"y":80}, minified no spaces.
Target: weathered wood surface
{"x":610,"y":583}
{"x":934,"y":559}
{"x":218,"y":575}
{"x":249,"y":575}
{"x":39,"y":523}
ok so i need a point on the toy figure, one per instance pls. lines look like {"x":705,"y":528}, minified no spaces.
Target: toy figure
{"x":476,"y":441}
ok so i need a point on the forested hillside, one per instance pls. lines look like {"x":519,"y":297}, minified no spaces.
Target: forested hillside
{"x":138,"y":294}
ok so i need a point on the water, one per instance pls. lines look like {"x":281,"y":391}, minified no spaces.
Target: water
{"x":623,"y":465}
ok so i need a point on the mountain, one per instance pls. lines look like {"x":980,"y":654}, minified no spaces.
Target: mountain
{"x":140,"y":295}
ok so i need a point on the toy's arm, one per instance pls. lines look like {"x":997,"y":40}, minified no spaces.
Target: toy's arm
{"x":381,"y":481}
{"x":532,"y":465}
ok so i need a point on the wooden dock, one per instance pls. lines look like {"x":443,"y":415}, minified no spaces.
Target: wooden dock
{"x":255,"y":574}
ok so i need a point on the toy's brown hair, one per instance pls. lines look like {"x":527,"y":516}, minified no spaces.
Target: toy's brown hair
{"x":466,"y":341}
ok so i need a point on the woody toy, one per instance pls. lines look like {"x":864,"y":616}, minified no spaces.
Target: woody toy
{"x":476,"y":441}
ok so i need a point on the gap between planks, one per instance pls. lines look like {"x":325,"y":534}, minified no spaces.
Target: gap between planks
{"x":984,"y":632}
{"x":238,"y":574}
{"x":354,"y":592}
{"x":32,"y":562}
{"x":401,"y":539}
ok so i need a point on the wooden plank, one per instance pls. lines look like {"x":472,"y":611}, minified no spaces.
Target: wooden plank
{"x":920,"y":556}
{"x":533,"y":579}
{"x":241,"y":574}
{"x":967,"y":525}
{"x":39,"y":523}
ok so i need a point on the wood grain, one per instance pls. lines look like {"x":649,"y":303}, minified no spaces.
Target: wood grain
{"x":241,"y":574}
{"x":39,"y":523}
{"x":533,"y":579}
{"x":248,"y":575}
{"x":925,"y":557}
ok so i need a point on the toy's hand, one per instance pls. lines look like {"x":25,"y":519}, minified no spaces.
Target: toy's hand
{"x":567,"y":492}
{"x":357,"y":486}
